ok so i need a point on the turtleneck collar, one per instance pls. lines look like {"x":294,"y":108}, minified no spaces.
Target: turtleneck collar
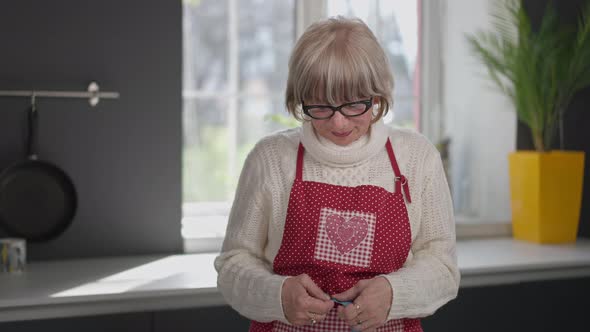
{"x":357,"y":152}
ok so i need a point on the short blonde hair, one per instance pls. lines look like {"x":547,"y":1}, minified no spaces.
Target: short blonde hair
{"x":335,"y":60}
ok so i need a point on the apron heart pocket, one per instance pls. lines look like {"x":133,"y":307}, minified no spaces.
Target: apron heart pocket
{"x":346,"y":234}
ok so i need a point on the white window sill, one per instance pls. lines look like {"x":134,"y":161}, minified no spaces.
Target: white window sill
{"x":204,"y":225}
{"x":57,"y":289}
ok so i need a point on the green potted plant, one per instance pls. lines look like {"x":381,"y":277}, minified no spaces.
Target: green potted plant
{"x":540,"y":71}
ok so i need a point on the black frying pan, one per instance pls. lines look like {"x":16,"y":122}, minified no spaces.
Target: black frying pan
{"x":37,"y":199}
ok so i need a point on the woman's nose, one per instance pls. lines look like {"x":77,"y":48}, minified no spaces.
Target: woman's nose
{"x":339,"y":120}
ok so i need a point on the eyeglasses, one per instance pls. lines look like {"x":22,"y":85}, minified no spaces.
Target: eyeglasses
{"x":322,"y":112}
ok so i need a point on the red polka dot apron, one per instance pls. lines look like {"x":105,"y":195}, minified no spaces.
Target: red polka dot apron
{"x":339,"y":235}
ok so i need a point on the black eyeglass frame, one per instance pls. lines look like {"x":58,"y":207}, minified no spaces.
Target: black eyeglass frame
{"x":368,"y":103}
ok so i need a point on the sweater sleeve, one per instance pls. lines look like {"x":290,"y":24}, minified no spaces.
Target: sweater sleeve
{"x":430,"y":277}
{"x":245,"y":279}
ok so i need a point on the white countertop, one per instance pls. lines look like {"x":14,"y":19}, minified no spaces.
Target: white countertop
{"x":71,"y":288}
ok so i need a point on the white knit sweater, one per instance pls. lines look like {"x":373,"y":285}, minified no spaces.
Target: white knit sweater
{"x":430,"y":276}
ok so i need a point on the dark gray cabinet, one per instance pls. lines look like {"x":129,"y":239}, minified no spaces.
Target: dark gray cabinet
{"x":207,"y":319}
{"x":134,"y":322}
{"x":560,"y":305}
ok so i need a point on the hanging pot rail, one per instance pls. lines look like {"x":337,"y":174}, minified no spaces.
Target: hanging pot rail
{"x":93,"y":94}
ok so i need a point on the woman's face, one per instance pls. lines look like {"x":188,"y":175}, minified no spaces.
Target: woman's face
{"x":342,"y":130}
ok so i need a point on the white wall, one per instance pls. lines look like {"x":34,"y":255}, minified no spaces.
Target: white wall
{"x":479,"y":120}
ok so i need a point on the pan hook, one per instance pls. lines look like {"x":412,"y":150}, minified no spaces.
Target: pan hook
{"x":34,"y":100}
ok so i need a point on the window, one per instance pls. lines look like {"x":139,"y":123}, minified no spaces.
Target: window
{"x":478,"y":120}
{"x":234,"y":74}
{"x":235,"y":71}
{"x":395,"y":23}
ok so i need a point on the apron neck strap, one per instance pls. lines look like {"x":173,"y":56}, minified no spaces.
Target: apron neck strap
{"x":400,"y":180}
{"x":299,"y":171}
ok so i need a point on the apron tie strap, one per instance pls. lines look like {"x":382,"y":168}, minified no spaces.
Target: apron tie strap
{"x":404,"y":185}
{"x":400,"y":180}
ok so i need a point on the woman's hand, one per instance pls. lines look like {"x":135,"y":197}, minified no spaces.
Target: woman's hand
{"x":304,"y":303}
{"x":371,"y":303}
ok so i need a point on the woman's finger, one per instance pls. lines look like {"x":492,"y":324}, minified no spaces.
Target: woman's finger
{"x":367,"y":326}
{"x":318,"y":306}
{"x":349,"y":294}
{"x":318,"y":317}
{"x":352,"y":310}
{"x":361,"y":317}
{"x":312,"y":288}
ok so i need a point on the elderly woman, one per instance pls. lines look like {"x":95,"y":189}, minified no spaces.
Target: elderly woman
{"x":343,"y":222}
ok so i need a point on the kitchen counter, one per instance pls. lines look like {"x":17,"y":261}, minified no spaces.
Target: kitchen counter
{"x":69,"y":288}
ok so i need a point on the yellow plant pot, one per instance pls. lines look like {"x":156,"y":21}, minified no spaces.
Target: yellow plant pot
{"x":546,"y":195}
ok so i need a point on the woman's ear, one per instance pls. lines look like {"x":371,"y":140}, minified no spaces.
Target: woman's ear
{"x":376,"y":100}
{"x":375,"y":110}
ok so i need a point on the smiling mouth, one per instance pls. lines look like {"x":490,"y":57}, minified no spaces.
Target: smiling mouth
{"x":342,"y":134}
